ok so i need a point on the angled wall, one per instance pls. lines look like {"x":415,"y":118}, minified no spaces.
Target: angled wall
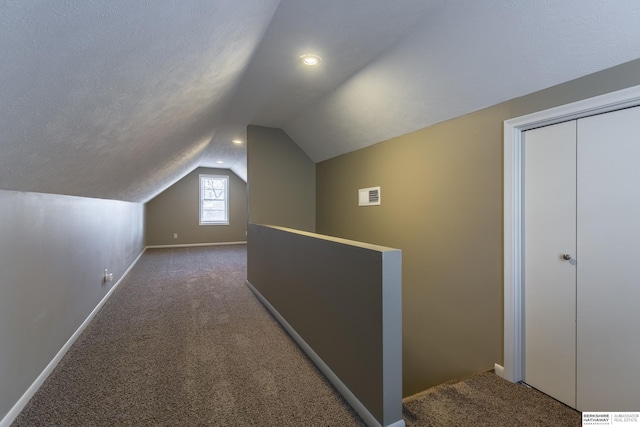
{"x":282,"y":180}
{"x":442,"y":205}
{"x":176,"y":211}
{"x":53,"y":252}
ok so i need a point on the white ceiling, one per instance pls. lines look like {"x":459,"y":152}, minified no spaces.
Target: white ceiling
{"x":119,"y":99}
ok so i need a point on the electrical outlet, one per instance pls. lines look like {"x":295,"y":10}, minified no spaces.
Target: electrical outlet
{"x":175,"y":235}
{"x":108,"y":277}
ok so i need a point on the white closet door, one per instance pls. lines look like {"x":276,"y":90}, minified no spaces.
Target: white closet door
{"x":549,"y":206}
{"x":608,"y":256}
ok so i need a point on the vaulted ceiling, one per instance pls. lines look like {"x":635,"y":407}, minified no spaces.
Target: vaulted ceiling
{"x":119,"y":99}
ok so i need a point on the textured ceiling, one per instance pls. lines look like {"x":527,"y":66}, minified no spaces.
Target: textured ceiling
{"x":119,"y":99}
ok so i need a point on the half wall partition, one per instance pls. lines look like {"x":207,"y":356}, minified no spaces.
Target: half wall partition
{"x":341,"y":301}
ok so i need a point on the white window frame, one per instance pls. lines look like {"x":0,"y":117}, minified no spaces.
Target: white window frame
{"x":225,"y":178}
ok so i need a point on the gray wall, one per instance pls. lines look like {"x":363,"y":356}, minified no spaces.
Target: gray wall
{"x":344,"y":300}
{"x":281,"y":177}
{"x":176,"y":210}
{"x":53,"y":252}
{"x":442,"y":204}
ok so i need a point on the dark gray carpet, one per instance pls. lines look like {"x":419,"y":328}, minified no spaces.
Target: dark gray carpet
{"x":489,"y":401}
{"x":183,"y":342}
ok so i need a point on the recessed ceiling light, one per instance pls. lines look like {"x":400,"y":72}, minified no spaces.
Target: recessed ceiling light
{"x":219,"y":162}
{"x":310,"y":59}
{"x":237,"y":141}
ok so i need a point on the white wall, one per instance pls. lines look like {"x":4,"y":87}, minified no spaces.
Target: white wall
{"x":53,"y":252}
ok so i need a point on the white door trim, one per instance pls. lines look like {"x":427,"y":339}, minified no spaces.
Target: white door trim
{"x":513,"y":129}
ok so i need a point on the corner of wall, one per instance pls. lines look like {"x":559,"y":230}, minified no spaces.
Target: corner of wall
{"x":282,"y":180}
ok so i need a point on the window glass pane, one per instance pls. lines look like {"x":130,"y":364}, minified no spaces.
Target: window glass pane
{"x":213,"y":199}
{"x":213,"y":216}
{"x":216,"y":205}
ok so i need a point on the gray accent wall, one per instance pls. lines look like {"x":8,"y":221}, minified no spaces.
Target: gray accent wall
{"x":442,"y":204}
{"x":343,"y":299}
{"x":282,"y":180}
{"x":176,"y":211}
{"x":53,"y":252}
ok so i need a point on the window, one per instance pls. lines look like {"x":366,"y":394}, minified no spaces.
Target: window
{"x":214,"y":199}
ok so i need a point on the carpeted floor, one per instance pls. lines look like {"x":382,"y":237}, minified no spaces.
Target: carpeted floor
{"x":183,"y":342}
{"x":489,"y":401}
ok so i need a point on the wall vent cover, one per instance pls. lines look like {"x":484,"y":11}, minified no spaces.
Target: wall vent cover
{"x":369,"y":196}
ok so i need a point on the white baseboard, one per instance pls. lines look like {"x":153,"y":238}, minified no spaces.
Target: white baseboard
{"x":355,"y":403}
{"x":187,"y":245}
{"x":33,"y":388}
{"x":499,"y":370}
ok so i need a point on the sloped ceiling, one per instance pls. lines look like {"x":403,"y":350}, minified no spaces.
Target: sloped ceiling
{"x":119,"y":99}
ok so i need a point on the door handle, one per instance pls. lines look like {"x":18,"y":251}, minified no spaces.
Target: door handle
{"x":566,"y":257}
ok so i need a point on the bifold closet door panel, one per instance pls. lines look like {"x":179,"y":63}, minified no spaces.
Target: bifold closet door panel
{"x":608,"y":257}
{"x":549,"y":206}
